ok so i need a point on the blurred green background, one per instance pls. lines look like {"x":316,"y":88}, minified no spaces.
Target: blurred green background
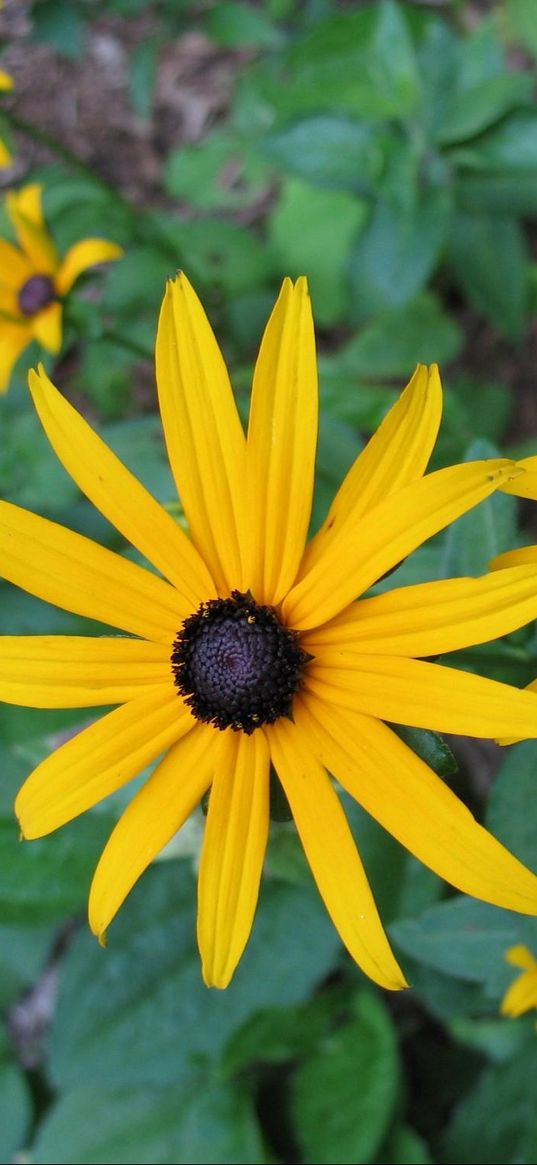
{"x":389,"y":151}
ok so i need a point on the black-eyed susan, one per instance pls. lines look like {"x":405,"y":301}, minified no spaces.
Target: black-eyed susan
{"x":251,"y":648}
{"x":34,"y":279}
{"x":6,"y":85}
{"x":521,"y":995}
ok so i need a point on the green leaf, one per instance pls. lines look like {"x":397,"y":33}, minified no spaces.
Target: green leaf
{"x":328,"y":150}
{"x":78,"y":206}
{"x":30,"y":473}
{"x":49,"y":879}
{"x":498,"y":171}
{"x":383,"y":857}
{"x":359,"y":60}
{"x":438,"y":55}
{"x":520,"y":16}
{"x":149,"y":981}
{"x":15,"y":1105}
{"x":498,"y":193}
{"x":393,"y":344}
{"x":217,"y":172}
{"x":489,"y":259}
{"x":336,"y":451}
{"x":137,"y":283}
{"x":236,"y":25}
{"x":444,"y":997}
{"x":23,"y":953}
{"x":399,"y":248}
{"x":431,"y":747}
{"x":213,"y":1124}
{"x":343,"y":1097}
{"x":496,"y":1122}
{"x":61,"y":25}
{"x":495,"y":1038}
{"x":472,"y":408}
{"x":470,"y":111}
{"x":484,"y":532}
{"x":139,"y":445}
{"x":142,"y":75}
{"x":510,"y":148}
{"x":29,"y":616}
{"x":511,"y":794}
{"x":279,"y":1034}
{"x":222,"y":254}
{"x":311,"y":231}
{"x":404,"y":1147}
{"x":465,"y":938}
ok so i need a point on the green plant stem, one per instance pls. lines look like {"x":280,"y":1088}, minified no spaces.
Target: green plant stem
{"x":130,"y":345}
{"x":141,"y":221}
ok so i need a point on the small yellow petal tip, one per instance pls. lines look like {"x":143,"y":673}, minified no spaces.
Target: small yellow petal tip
{"x":103,"y":939}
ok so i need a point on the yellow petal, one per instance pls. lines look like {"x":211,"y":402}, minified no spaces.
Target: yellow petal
{"x":504,"y":740}
{"x":25,"y":211}
{"x":432,"y":618}
{"x":413,"y":804}
{"x":14,"y":338}
{"x":86,"y":253}
{"x":205,"y":441}
{"x":525,"y":486}
{"x":101,"y":759}
{"x":332,"y":854}
{"x":521,"y":996}
{"x":525,"y":556}
{"x":120,"y":496}
{"x":282,"y":440}
{"x":47,"y":327}
{"x":64,"y":671}
{"x":6,"y":82}
{"x":233,"y":852}
{"x":397,"y":454}
{"x":520,"y":956}
{"x":6,"y":157}
{"x":15,"y":267}
{"x":424,"y":695}
{"x":27,"y":202}
{"x":155,"y":814}
{"x":364,"y":551}
{"x":78,"y":575}
{"x":9,"y":306}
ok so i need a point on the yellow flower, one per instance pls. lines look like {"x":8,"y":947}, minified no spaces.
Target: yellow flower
{"x":248,"y":648}
{"x":34,"y":279}
{"x":521,"y":996}
{"x":6,"y":84}
{"x":525,"y":487}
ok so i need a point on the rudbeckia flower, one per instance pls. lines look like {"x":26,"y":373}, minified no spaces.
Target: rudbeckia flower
{"x":34,"y":279}
{"x":251,"y":648}
{"x":521,"y":995}
{"x":6,"y":84}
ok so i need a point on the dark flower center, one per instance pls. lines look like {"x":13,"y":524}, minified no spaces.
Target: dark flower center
{"x":236,"y":665}
{"x":35,"y":294}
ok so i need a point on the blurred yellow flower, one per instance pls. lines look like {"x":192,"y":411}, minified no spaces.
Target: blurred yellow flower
{"x":521,"y":995}
{"x":34,"y":279}
{"x":250,"y":648}
{"x":6,"y":84}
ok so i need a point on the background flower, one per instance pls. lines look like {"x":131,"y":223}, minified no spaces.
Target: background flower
{"x":521,"y":995}
{"x":6,"y":85}
{"x":34,"y":279}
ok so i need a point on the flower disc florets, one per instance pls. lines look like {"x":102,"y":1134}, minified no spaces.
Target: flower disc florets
{"x":35,"y":294}
{"x":236,"y":665}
